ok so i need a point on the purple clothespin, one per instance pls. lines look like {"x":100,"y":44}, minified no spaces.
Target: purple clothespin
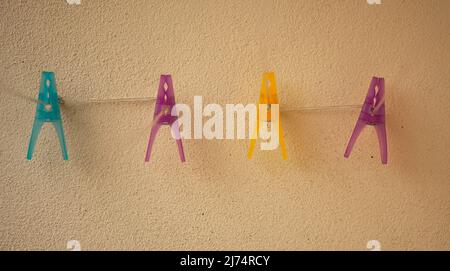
{"x":165,"y":102}
{"x":372,"y":113}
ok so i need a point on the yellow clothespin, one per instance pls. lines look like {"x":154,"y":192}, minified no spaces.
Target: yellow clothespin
{"x":268,"y":97}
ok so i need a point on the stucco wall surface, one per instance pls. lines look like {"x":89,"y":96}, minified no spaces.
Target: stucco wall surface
{"x":323,"y":52}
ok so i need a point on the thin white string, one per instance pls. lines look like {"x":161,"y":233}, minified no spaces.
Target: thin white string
{"x":120,"y":100}
{"x":150,"y":99}
{"x":323,"y":108}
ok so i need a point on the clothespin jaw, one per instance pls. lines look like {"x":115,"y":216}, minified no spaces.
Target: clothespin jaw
{"x":373,"y":113}
{"x":48,"y":110}
{"x":268,"y":97}
{"x":268,"y":94}
{"x":165,"y":103}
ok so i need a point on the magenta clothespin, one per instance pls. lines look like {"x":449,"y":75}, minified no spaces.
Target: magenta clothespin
{"x":165,"y":102}
{"x":372,"y":113}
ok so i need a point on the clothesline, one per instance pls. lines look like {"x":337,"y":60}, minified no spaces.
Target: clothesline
{"x":149,"y":99}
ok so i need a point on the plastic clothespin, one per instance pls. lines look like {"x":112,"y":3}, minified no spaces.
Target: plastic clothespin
{"x":372,"y":113}
{"x":165,"y":102}
{"x":48,"y":110}
{"x":268,"y":97}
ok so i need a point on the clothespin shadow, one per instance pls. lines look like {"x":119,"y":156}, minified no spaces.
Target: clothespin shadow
{"x":165,"y":103}
{"x":268,"y":97}
{"x":48,"y":110}
{"x":373,"y":113}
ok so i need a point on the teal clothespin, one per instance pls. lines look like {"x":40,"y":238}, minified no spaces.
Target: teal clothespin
{"x":48,"y":110}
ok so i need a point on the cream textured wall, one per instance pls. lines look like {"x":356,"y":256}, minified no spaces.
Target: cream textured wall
{"x":324,"y":52}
